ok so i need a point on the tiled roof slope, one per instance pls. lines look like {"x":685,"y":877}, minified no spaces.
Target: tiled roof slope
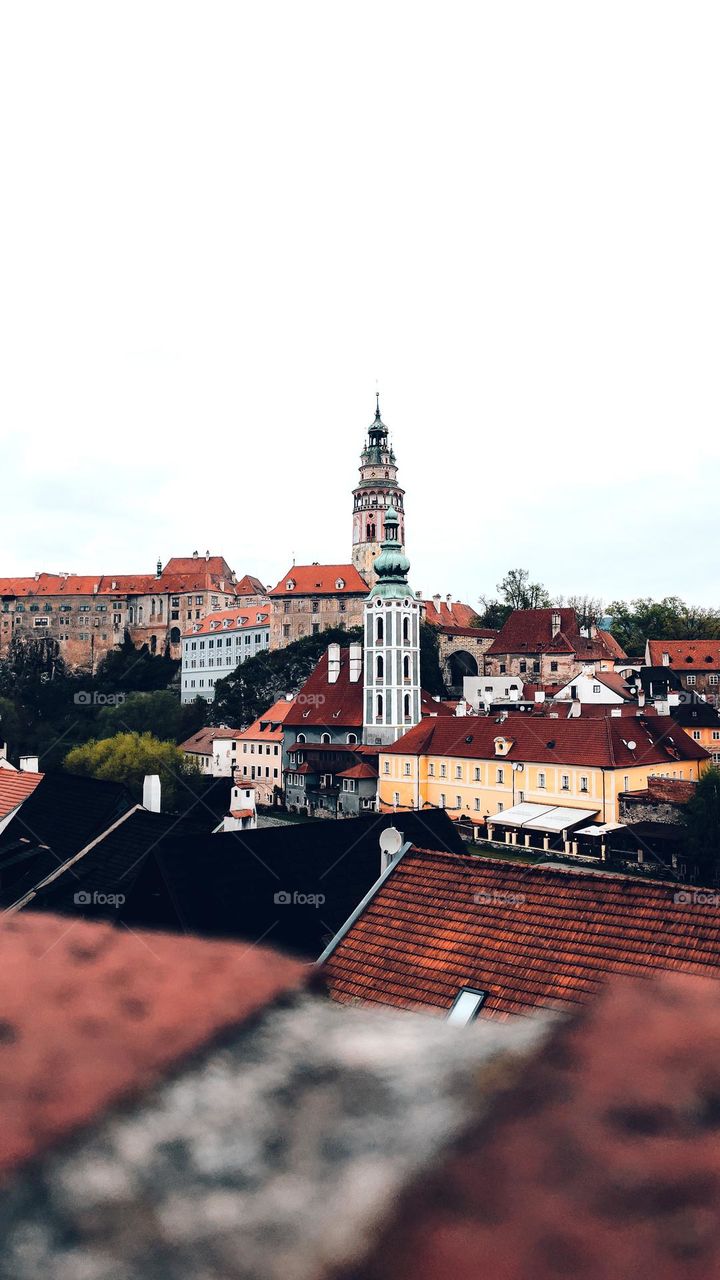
{"x":452,"y":613}
{"x":529,"y":631}
{"x":602,"y":1162}
{"x":263,"y":726}
{"x":600,"y":741}
{"x":249,"y":585}
{"x":530,"y":937}
{"x":320,"y":579}
{"x":15,"y":786}
{"x":689,"y":655}
{"x":240,"y":617}
{"x":322,"y":703}
{"x":201,"y":742}
{"x":117,"y":1009}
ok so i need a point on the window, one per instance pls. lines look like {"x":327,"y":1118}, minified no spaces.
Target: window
{"x":596,"y":688}
{"x":352,"y":738}
{"x":458,"y":771}
{"x":458,"y":802}
{"x":500,"y":775}
{"x":696,"y":735}
{"x":466,"y":1006}
{"x":406,"y":706}
{"x":443,"y":771}
{"x":541,"y":781}
{"x":407,"y":769}
{"x":713,"y":679}
{"x":503,"y":668}
{"x":431,"y":771}
{"x":379,"y":630}
{"x":690,"y":679}
{"x":380,"y":666}
{"x":379,"y":707}
{"x":476,"y":773}
{"x":520,"y":797}
{"x":396,"y":797}
{"x":406,"y":630}
{"x":716,"y":735}
{"x":442,"y":800}
{"x":584,"y":782}
{"x":406,"y":668}
{"x":477,"y":803}
{"x":523,"y":666}
{"x":553,"y":666}
{"x":325,"y":738}
{"x":565,"y":782}
{"x":386,"y":767}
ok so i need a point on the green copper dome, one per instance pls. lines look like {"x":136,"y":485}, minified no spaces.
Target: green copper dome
{"x":392,"y":564}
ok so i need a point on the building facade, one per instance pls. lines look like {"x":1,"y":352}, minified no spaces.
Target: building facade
{"x":377,"y":491}
{"x":216,"y":645}
{"x":312,"y":598}
{"x":696,"y":663}
{"x":260,"y":753}
{"x":90,"y":615}
{"x":392,"y":644}
{"x":549,"y":647}
{"x":477,"y":769}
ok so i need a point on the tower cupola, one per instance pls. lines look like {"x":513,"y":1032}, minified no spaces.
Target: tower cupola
{"x":375,"y":495}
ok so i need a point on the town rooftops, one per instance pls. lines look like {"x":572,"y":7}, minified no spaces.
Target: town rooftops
{"x":536,"y":631}
{"x":15,"y":787}
{"x":602,"y":742}
{"x":321,"y":580}
{"x":320,"y":702}
{"x":527,"y":937}
{"x":201,"y":743}
{"x":241,"y":618}
{"x":450,"y":613}
{"x":249,"y":585}
{"x":685,"y":655}
{"x":268,"y":726}
{"x":181,"y":573}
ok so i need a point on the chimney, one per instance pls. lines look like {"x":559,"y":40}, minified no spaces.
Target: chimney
{"x":207,"y":555}
{"x":158,"y":568}
{"x":3,"y":750}
{"x":437,"y":601}
{"x":333,"y":663}
{"x":29,"y":764}
{"x":616,"y":713}
{"x":575,"y":709}
{"x":662,"y":706}
{"x":195,"y":555}
{"x":641,"y":698}
{"x":539,"y":695}
{"x":555,"y":622}
{"x":355,"y":662}
{"x":151,"y":792}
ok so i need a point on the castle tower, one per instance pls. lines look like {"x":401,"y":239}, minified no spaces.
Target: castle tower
{"x":376,"y":492}
{"x":392,"y":644}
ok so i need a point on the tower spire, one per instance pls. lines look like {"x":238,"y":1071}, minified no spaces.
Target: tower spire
{"x":377,"y":406}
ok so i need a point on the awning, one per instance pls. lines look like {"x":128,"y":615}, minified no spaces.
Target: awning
{"x":540,"y":817}
{"x":603,"y":829}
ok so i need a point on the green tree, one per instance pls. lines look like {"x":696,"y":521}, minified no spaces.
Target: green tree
{"x":128,"y":757}
{"x":431,"y":678}
{"x":157,"y":712}
{"x":635,"y":622}
{"x":702,"y":828}
{"x":126,"y":669}
{"x":518,"y":592}
{"x":256,"y":683}
{"x":494,"y":614}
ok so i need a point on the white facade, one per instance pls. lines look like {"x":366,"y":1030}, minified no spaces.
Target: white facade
{"x":484,"y":691}
{"x":588,"y":688}
{"x":243,"y":813}
{"x":216,"y":646}
{"x":392,"y":668}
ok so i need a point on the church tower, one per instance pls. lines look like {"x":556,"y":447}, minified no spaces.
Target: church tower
{"x":392,"y":644}
{"x":376,"y":492}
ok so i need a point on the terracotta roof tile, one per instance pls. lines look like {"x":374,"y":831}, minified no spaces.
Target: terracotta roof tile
{"x":276,"y":714}
{"x":686,"y":655}
{"x":528,"y":936}
{"x":15,"y":786}
{"x":92,"y":1014}
{"x":201,"y":743}
{"x":531,"y":631}
{"x":451,"y":613}
{"x":321,"y":579}
{"x":239,"y":618}
{"x":322,"y":703}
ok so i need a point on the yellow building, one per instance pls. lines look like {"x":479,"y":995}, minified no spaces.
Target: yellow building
{"x":477,"y":768}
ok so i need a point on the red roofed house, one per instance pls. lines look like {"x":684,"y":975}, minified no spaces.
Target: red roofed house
{"x":533,"y":780}
{"x":260,"y":750}
{"x":89,"y":615}
{"x":696,"y":662}
{"x":15,"y":787}
{"x":440,"y":932}
{"x":215,"y":750}
{"x":214,"y":646}
{"x":549,"y":647}
{"x":312,"y":597}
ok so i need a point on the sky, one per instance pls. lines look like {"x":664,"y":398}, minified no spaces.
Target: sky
{"x":225,"y":224}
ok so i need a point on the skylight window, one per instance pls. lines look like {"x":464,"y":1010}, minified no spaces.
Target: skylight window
{"x":466,"y":1006}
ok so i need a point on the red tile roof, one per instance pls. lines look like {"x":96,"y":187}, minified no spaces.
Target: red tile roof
{"x":450,"y":613}
{"x":201,"y":743}
{"x":531,"y":631}
{"x":249,"y":585}
{"x":686,"y":655}
{"x":275,"y":714}
{"x":600,"y":1162}
{"x":15,"y":786}
{"x":93,"y":1014}
{"x":584,"y":740}
{"x":237,"y":619}
{"x":330,"y":705}
{"x":180,"y":574}
{"x":528,"y":936}
{"x":364,"y":770}
{"x":321,"y":580}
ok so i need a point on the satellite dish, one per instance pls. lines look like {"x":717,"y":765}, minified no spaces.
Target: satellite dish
{"x":391,"y":841}
{"x":631,"y":745}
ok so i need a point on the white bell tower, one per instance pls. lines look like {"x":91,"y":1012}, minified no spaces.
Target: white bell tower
{"x":392,"y":645}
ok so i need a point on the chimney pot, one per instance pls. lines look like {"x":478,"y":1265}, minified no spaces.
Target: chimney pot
{"x":152,"y":792}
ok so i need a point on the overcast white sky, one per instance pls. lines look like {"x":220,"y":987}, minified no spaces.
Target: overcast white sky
{"x":222,"y":223}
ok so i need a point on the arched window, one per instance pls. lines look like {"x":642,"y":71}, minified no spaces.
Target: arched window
{"x":380,"y":666}
{"x":352,"y":739}
{"x":152,"y":607}
{"x":406,"y":706}
{"x":380,"y":631}
{"x":406,"y":667}
{"x":300,"y":737}
{"x":370,"y":531}
{"x":325,"y":738}
{"x":406,"y":630}
{"x":379,"y":706}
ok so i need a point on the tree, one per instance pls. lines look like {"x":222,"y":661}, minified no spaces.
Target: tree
{"x":126,"y":669}
{"x":702,"y":827}
{"x":494,"y":614}
{"x":519,"y":592}
{"x":157,"y":712}
{"x":128,"y":757}
{"x":637,"y":621}
{"x":589,"y":609}
{"x":262,"y":679}
{"x":431,"y":679}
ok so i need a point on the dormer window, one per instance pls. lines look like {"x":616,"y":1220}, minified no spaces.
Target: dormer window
{"x":502,"y":746}
{"x":339,"y":584}
{"x":290,"y":584}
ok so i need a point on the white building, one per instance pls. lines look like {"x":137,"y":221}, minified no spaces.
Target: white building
{"x":392,"y":646}
{"x":216,"y":645}
{"x":215,"y":750}
{"x":243,"y":811}
{"x":483,"y":692}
